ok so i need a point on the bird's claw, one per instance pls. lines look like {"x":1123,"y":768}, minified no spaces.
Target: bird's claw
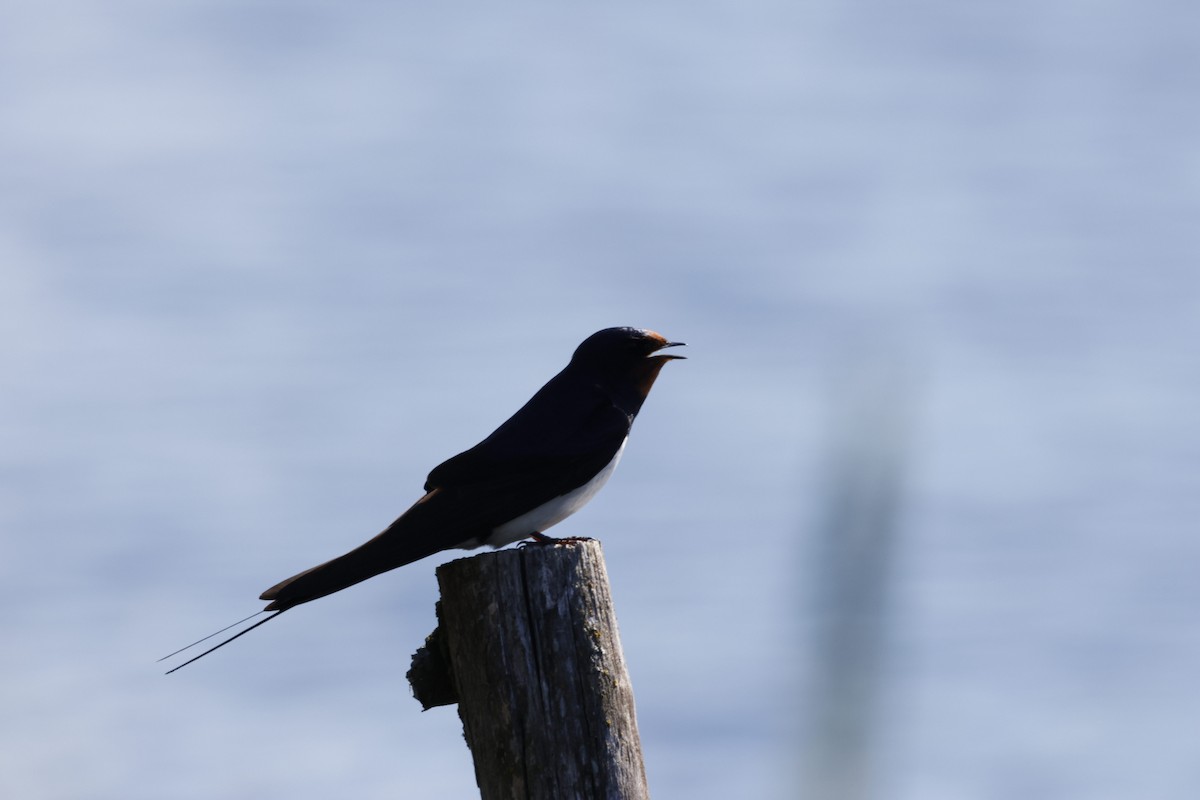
{"x":539,"y":538}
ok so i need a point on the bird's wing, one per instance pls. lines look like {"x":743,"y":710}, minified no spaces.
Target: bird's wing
{"x":557,"y":437}
{"x":531,"y":459}
{"x":444,"y":518}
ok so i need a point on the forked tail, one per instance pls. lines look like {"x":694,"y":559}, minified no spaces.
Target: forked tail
{"x":221,"y":644}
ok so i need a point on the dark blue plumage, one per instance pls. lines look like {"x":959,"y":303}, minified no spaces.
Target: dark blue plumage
{"x":539,"y":467}
{"x":535,"y":468}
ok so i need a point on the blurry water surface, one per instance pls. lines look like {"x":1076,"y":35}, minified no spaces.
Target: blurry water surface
{"x":263,"y":265}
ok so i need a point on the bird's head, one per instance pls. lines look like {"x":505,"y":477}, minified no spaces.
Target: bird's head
{"x":629,"y":353}
{"x":623,"y":348}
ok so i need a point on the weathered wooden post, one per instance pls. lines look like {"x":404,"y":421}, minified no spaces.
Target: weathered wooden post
{"x":527,"y":646}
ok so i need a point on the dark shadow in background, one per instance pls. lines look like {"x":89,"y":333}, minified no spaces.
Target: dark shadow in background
{"x":850,"y":570}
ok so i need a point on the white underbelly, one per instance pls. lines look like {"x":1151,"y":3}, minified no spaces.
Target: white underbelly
{"x":551,"y":512}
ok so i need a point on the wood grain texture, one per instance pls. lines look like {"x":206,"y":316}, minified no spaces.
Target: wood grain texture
{"x":530,"y":640}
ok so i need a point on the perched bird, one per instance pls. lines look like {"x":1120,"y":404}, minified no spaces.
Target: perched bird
{"x":542,"y":465}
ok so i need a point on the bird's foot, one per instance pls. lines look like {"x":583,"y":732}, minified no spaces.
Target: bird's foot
{"x":538,"y":537}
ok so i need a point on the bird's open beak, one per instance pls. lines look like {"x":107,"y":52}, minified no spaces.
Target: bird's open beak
{"x":668,"y":356}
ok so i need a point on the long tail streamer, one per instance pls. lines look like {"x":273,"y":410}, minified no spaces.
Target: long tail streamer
{"x":221,"y":644}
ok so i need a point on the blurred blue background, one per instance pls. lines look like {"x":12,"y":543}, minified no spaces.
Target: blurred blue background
{"x":263,"y":265}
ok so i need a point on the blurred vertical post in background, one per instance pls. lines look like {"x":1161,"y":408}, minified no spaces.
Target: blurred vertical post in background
{"x":855,"y":545}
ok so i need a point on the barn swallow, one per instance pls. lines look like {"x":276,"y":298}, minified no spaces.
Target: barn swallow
{"x":538,"y":468}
